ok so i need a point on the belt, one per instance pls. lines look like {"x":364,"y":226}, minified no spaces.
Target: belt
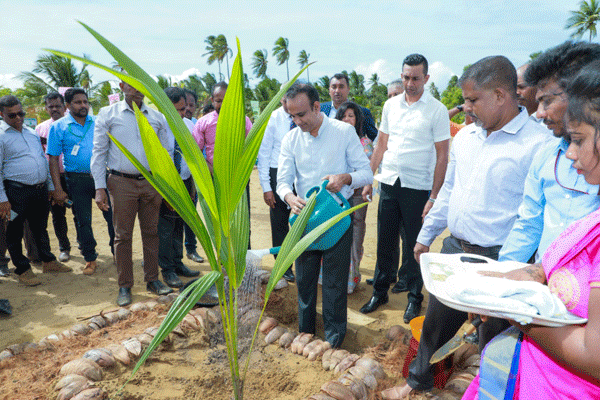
{"x":23,"y":185}
{"x":124,"y":175}
{"x":475,"y":249}
{"x":78,"y":174}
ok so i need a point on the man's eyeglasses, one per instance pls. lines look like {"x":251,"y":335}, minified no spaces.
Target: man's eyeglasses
{"x":558,"y":180}
{"x":15,"y":115}
{"x":547,"y":100}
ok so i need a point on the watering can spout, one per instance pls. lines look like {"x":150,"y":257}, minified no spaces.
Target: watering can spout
{"x":326,"y":207}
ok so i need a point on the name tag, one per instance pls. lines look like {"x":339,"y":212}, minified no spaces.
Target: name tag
{"x":75,"y":150}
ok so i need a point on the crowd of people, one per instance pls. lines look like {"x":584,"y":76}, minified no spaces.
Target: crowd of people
{"x":519,"y":182}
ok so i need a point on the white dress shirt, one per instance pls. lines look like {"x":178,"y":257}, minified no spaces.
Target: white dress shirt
{"x":268,"y":155}
{"x":119,"y":120}
{"x":304,"y":159}
{"x":413,"y":131}
{"x":185,"y":170}
{"x":484,"y":182}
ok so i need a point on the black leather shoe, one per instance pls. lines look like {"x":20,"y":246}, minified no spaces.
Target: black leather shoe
{"x":159,"y":288}
{"x":374,"y":304}
{"x":4,"y":271}
{"x":289,"y":275}
{"x":413,"y":309}
{"x":400,"y":287}
{"x":370,"y":281}
{"x":124,"y":298}
{"x":171,"y":279}
{"x":194,"y":256}
{"x":182,"y":270}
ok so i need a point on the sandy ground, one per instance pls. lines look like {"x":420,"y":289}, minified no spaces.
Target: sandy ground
{"x":62,"y":298}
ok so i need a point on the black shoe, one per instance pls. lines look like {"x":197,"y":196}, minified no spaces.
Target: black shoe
{"x":182,"y":270}
{"x":124,"y":298}
{"x":289,"y":275}
{"x":171,"y":279}
{"x":374,"y":303}
{"x":400,"y":287}
{"x":4,"y":271}
{"x":412,"y":310}
{"x":194,"y":256}
{"x":159,"y":288}
{"x":370,"y":281}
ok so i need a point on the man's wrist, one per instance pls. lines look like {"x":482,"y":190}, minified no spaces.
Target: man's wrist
{"x":431,"y":199}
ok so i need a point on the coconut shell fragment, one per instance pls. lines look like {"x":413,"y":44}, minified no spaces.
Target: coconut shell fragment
{"x":320,"y":396}
{"x":286,"y":339}
{"x":120,"y":353}
{"x":303,"y":341}
{"x":275,"y":334}
{"x":282,"y":283}
{"x":68,"y":379}
{"x":327,"y":358}
{"x":91,"y":394}
{"x":346,"y":363}
{"x":102,"y":357}
{"x":98,"y":320}
{"x":336,"y":357}
{"x":135,"y":307}
{"x":311,"y":346}
{"x":73,"y":388}
{"x":123,"y":313}
{"x":372,"y":366}
{"x":367,"y":377}
{"x":267,"y":324}
{"x":84,"y":367}
{"x":318,"y":351}
{"x":133,"y":346}
{"x":338,"y":391}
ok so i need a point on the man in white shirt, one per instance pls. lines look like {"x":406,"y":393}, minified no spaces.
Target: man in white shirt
{"x":320,"y":149}
{"x":279,"y":124}
{"x":478,"y":202}
{"x":526,"y":94}
{"x":412,"y":148}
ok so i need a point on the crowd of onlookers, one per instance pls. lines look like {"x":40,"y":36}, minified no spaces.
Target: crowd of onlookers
{"x":519,"y":182}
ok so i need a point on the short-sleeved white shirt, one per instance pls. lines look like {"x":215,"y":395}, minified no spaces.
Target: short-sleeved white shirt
{"x":413,"y":131}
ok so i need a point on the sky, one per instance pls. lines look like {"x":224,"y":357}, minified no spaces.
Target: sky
{"x":167,"y":37}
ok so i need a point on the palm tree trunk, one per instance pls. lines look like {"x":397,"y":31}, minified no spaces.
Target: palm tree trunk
{"x":307,"y":75}
{"x":287,"y":67}
{"x":220,"y":74}
{"x":227,"y":59}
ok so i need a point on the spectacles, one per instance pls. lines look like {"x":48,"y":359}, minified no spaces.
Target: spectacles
{"x":549,"y":99}
{"x":556,"y":175}
{"x":14,"y":115}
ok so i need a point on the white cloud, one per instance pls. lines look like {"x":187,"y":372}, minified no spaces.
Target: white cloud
{"x":10,"y":81}
{"x":440,"y":74}
{"x":386,"y":71}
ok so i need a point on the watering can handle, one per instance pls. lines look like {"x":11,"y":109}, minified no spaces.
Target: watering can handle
{"x":345,"y":204}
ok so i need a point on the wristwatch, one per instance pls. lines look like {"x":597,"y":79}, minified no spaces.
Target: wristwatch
{"x":459,"y":107}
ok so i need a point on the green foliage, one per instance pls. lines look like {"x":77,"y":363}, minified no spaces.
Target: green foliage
{"x":265,"y":91}
{"x":281,"y":51}
{"x":164,"y":81}
{"x":303,"y":60}
{"x":4,"y":91}
{"x":585,"y":19}
{"x":259,"y":63}
{"x":52,"y":71}
{"x":452,"y":96}
{"x":322,"y":86}
{"x":534,"y":55}
{"x":434,"y":91}
{"x":217,"y":50}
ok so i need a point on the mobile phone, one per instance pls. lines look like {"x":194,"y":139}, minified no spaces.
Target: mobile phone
{"x":68,"y":203}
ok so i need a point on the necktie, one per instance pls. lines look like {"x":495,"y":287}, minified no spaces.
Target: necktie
{"x":292,"y":124}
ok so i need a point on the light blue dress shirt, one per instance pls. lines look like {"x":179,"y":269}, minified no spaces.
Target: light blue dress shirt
{"x":22,"y":158}
{"x":66,"y":133}
{"x":551,"y":202}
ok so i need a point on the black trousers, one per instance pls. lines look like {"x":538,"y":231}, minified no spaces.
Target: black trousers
{"x":280,"y":215}
{"x":170,"y":235}
{"x":399,"y":217}
{"x":336,"y":267}
{"x":3,"y":259}
{"x":32,"y":205}
{"x":441,"y":324}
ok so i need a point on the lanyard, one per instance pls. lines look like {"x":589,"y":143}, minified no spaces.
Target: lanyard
{"x":84,"y":133}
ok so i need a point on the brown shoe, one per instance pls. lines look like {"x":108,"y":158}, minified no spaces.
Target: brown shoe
{"x":55,"y":266}
{"x":90,"y":267}
{"x":28,"y":278}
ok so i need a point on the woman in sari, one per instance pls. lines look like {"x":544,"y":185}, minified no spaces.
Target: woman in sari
{"x":564,"y":362}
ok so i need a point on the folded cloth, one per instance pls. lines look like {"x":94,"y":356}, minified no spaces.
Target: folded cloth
{"x":515,"y":297}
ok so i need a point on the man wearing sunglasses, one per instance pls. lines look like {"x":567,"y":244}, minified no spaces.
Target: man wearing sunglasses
{"x":24,"y":190}
{"x":554,"y":195}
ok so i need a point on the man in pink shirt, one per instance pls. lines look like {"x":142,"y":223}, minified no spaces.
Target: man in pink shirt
{"x":206,"y":128}
{"x":55,"y":107}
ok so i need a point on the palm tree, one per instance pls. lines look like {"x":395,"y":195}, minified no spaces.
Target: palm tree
{"x":164,"y":81}
{"x":357,"y":84}
{"x":213,"y":52}
{"x":54,"y":71}
{"x":209,"y":82}
{"x":374,"y":80}
{"x":585,"y":19}
{"x":303,"y":60}
{"x":281,"y":52}
{"x":224,"y":51}
{"x":259,"y":63}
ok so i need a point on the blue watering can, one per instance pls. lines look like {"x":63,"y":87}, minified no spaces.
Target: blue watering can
{"x":326,"y":207}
